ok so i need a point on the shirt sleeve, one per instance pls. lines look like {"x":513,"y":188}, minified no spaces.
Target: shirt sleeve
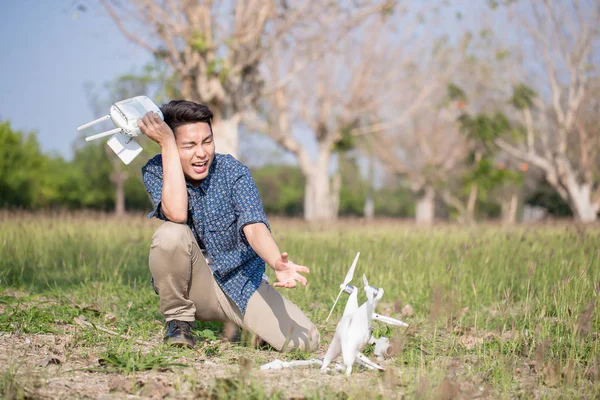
{"x":152,"y":176}
{"x":247,"y":203}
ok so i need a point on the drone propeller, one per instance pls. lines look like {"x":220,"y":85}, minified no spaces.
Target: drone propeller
{"x":347,"y":280}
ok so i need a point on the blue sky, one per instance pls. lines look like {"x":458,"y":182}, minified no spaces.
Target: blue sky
{"x":49,"y":52}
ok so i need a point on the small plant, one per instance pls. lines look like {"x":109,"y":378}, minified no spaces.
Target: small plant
{"x":130,"y":361}
{"x":37,"y":317}
{"x":231,"y":388}
{"x":211,"y":346}
{"x":15,"y":385}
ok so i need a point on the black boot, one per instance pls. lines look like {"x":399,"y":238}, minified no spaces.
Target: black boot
{"x":180,"y":333}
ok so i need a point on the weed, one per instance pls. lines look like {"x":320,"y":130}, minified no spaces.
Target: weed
{"x":127,"y":360}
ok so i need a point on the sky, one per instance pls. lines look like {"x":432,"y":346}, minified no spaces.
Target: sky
{"x":50,"y":50}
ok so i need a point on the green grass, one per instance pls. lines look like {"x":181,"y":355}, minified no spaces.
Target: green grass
{"x":496,"y":310}
{"x":123,"y":358}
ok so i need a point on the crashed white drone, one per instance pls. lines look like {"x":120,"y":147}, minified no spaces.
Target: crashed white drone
{"x":353,"y":332}
{"x":124,"y":114}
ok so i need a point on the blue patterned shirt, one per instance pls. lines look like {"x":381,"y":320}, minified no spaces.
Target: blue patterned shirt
{"x":218,"y":209}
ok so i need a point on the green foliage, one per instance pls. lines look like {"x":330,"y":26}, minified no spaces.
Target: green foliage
{"x":502,"y":54}
{"x":198,"y":42}
{"x":22,"y":166}
{"x":238,"y":389}
{"x":354,"y":187}
{"x":125,"y":359}
{"x":488,"y":176}
{"x":485,"y":128}
{"x":394,"y":201}
{"x":346,"y":141}
{"x":136,"y":197}
{"x":494,"y":4}
{"x":90,"y":185}
{"x":456,"y":93}
{"x":387,"y":9}
{"x":13,"y":384}
{"x":217,"y":67}
{"x":546,"y":196}
{"x":37,"y":317}
{"x":281,"y":189}
{"x":522,"y":97}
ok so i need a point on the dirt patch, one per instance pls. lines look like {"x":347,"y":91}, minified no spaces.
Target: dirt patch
{"x":55,"y":366}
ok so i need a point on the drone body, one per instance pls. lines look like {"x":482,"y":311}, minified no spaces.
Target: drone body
{"x":124,"y":114}
{"x":353,"y":332}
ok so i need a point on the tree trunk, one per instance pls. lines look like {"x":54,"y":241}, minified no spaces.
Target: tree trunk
{"x":581,"y":202}
{"x":318,"y":197}
{"x":474,"y":193}
{"x":578,"y":194}
{"x":425,"y":209}
{"x":454,"y":202}
{"x":563,"y":178}
{"x":509,"y":209}
{"x":118,"y":178}
{"x":472,"y":202}
{"x":369,"y":208}
{"x":226,"y":131}
{"x":336,"y":188}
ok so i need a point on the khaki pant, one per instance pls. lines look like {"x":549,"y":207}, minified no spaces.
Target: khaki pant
{"x":189,"y":292}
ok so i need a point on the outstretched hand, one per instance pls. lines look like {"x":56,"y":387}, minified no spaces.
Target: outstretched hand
{"x":287,"y":272}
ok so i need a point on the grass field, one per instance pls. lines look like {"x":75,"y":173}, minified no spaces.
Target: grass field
{"x":494,"y":313}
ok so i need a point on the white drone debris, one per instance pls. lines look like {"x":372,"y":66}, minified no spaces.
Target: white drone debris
{"x":124,"y":114}
{"x":353,"y":332}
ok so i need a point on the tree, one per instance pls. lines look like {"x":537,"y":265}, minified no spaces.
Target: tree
{"x":281,"y":189}
{"x":564,"y":38}
{"x":335,"y":100}
{"x":88,"y":184}
{"x":425,"y":147}
{"x":215,"y":49}
{"x":22,"y":169}
{"x":394,"y":199}
{"x":353,"y":186}
{"x":430,"y":150}
{"x":217,"y":52}
{"x":488,"y":174}
{"x":153,"y":82}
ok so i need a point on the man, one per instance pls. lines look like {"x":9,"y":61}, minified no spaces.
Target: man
{"x":207,"y":259}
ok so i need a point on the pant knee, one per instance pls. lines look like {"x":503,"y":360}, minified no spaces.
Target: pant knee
{"x":308,"y":341}
{"x":170,"y":252}
{"x":171,"y":236}
{"x":314,"y":339}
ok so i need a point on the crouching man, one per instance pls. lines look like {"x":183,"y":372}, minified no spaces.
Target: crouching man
{"x":207,"y":259}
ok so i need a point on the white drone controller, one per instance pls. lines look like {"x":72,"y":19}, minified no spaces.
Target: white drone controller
{"x":124,"y":114}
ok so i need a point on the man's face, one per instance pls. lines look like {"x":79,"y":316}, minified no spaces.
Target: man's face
{"x":196,"y":150}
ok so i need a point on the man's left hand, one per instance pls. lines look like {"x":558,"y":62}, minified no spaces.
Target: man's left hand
{"x":287,"y":272}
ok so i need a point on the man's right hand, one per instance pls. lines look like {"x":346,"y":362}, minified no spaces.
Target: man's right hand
{"x":155,"y":128}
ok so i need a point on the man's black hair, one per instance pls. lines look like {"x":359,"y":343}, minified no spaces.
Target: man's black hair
{"x":182,"y":112}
